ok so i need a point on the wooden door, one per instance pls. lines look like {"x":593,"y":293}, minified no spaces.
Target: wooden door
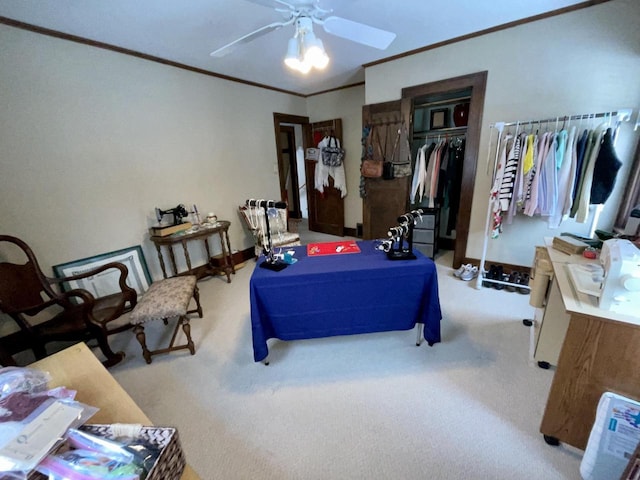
{"x":326,"y":209}
{"x":384,"y":200}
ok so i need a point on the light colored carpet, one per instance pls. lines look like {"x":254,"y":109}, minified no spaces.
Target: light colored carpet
{"x":355,"y":407}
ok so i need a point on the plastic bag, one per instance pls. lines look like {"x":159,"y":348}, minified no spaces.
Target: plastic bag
{"x":31,"y":425}
{"x":21,"y":379}
{"x":87,"y":465}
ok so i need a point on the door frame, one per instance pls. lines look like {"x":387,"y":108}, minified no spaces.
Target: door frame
{"x":478,"y":83}
{"x":278,"y":119}
{"x":293,"y":203}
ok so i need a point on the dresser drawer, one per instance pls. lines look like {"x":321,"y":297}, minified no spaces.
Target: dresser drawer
{"x":426,"y":250}
{"x":428,"y":221}
{"x":423,"y":236}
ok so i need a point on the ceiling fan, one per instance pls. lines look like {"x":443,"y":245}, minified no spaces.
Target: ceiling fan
{"x":304,"y":14}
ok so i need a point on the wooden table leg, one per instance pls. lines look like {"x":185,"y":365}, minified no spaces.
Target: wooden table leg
{"x":225,"y":257}
{"x":173,"y":261}
{"x":233,"y":266}
{"x":164,"y":271}
{"x":186,"y":255}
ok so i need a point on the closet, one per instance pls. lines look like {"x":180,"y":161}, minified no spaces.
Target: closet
{"x":427,"y":112}
{"x":438,"y":143}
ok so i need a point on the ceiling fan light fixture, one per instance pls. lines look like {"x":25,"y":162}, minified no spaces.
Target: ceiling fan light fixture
{"x":292,"y":59}
{"x":305,"y":51}
{"x":303,"y":55}
{"x":315,"y":54}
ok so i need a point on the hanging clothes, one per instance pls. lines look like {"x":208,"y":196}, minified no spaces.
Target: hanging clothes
{"x":531,"y":205}
{"x":605,"y":170}
{"x":554,"y":173}
{"x":496,"y":209}
{"x":566,"y":172}
{"x":584,"y":199}
{"x":454,"y":181}
{"x":419,"y":175}
{"x":509,"y":175}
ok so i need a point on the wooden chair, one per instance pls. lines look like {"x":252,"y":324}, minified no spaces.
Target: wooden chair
{"x":46,"y":314}
{"x":281,"y":235}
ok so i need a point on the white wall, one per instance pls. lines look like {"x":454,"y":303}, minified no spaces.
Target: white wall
{"x":580,"y":62}
{"x":347,"y":105}
{"x":91,"y":141}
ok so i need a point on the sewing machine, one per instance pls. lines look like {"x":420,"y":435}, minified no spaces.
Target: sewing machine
{"x":178,"y":213}
{"x":621,"y":283}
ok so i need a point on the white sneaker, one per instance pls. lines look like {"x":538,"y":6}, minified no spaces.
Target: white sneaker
{"x":462,"y":268}
{"x":469,"y":273}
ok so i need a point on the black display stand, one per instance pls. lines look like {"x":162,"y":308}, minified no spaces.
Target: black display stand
{"x":397,"y":250}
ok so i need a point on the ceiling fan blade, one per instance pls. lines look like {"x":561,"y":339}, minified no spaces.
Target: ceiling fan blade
{"x":358,"y":32}
{"x":229,"y":47}
{"x":273,"y":3}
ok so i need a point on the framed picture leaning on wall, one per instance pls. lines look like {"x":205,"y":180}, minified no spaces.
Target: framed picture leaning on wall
{"x":105,"y":283}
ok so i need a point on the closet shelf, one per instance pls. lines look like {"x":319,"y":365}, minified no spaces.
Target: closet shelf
{"x":466,"y":98}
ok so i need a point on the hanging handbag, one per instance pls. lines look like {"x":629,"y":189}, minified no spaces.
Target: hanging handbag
{"x":403,"y":169}
{"x":332,"y":155}
{"x":388,"y":172}
{"x":371,"y":167}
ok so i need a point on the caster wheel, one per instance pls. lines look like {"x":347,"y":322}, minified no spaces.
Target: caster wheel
{"x":553,"y":441}
{"x":526,"y":322}
{"x":431,"y":344}
{"x":417,"y":344}
{"x":544,"y":365}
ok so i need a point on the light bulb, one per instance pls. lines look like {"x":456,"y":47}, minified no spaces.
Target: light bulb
{"x":315,"y":54}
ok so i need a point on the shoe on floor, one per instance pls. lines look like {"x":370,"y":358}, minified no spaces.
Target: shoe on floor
{"x":462,"y":268}
{"x":524,"y":280}
{"x":470,"y":272}
{"x":490,"y":275}
{"x":499,"y":275}
{"x":514,"y":280}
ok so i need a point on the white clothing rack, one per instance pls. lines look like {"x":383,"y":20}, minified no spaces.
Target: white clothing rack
{"x":619,"y":116}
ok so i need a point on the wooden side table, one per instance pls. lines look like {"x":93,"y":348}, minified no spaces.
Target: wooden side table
{"x":221,"y":228}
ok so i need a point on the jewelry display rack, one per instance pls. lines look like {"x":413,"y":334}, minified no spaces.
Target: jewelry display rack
{"x":394,"y":246}
{"x":270,"y":262}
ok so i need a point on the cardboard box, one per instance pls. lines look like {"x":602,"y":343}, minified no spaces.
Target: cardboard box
{"x":569,"y":245}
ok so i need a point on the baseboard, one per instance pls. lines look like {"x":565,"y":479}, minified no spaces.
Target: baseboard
{"x":352,"y":232}
{"x":239,"y":257}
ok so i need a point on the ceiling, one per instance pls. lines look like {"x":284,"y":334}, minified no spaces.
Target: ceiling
{"x":186,"y":31}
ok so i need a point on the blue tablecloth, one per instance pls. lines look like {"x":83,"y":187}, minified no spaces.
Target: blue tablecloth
{"x":323,"y":296}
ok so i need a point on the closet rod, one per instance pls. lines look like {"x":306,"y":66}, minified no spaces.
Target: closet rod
{"x":622,"y":114}
{"x":443,"y":135}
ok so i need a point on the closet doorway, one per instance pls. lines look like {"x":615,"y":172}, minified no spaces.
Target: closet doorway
{"x":439,"y":104}
{"x":437,"y":99}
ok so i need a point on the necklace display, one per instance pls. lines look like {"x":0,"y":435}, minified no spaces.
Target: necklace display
{"x":270,"y":210}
